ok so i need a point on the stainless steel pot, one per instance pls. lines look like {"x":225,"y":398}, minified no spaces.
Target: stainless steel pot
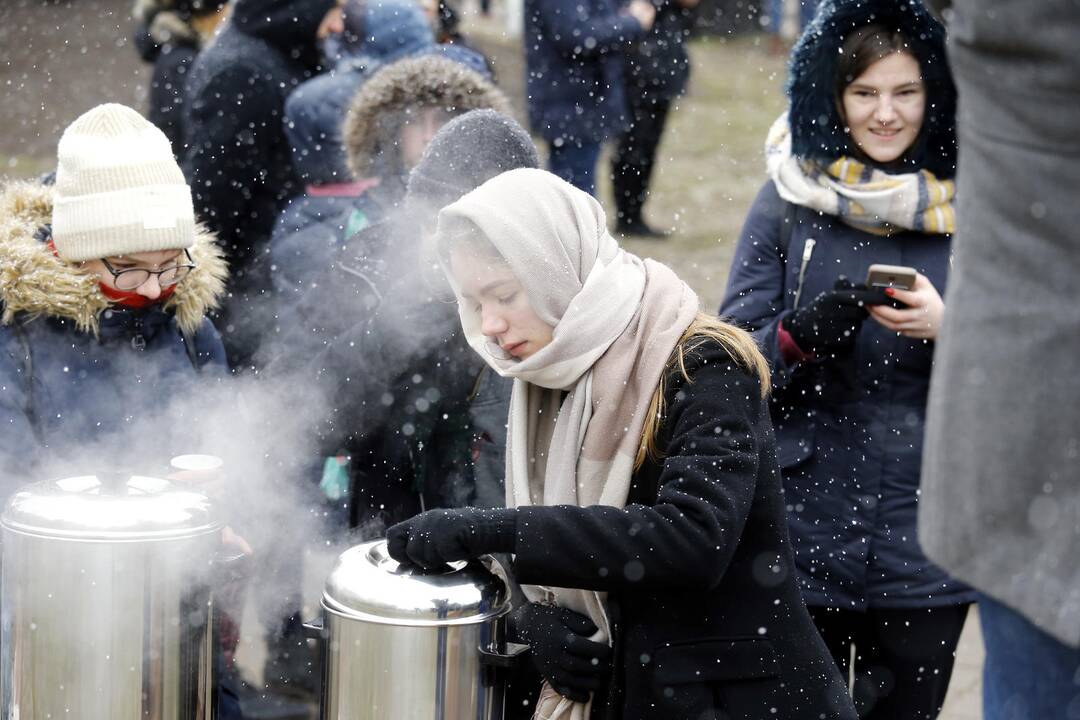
{"x":400,"y":642}
{"x":105,"y":592}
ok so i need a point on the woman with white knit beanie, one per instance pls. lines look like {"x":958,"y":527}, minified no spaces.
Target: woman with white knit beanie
{"x":105,"y":280}
{"x":644,"y":509}
{"x":105,"y":276}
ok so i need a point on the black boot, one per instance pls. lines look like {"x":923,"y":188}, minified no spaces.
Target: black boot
{"x":638,"y":228}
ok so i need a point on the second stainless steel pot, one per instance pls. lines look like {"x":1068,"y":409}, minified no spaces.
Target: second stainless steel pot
{"x":405,"y":643}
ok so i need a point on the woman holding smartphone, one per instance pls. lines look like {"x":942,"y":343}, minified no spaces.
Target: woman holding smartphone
{"x":859,"y":174}
{"x":644,"y":509}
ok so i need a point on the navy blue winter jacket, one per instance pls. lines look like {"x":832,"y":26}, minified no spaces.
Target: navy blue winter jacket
{"x":83,"y":381}
{"x":659,"y":65}
{"x":574,"y":67}
{"x":849,"y":431}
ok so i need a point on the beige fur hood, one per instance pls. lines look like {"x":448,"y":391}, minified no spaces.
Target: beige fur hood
{"x":34,"y":282}
{"x":376,"y":112}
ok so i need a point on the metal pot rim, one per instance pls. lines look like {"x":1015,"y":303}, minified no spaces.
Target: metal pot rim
{"x":110,"y":536}
{"x":111,"y":506}
{"x":368,"y":585}
{"x":337,"y":609}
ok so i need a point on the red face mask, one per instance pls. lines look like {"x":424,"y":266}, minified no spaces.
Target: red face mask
{"x":134,"y":300}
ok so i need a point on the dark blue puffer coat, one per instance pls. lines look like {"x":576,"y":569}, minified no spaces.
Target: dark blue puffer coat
{"x":85,"y":382}
{"x":849,"y":431}
{"x":574,"y":68}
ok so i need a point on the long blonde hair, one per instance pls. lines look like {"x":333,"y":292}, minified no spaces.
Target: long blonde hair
{"x":705,"y":328}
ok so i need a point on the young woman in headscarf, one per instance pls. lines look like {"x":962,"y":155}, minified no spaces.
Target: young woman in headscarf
{"x":644,"y":509}
{"x":860,"y":173}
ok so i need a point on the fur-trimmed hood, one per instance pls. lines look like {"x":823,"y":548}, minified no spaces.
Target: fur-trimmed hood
{"x":35,"y":282}
{"x":375,"y":116}
{"x":817,"y":130}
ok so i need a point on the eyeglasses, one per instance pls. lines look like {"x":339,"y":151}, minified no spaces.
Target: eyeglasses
{"x":134,"y":277}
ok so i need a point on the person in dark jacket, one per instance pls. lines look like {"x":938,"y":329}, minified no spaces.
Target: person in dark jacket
{"x":332,"y":283}
{"x":238,"y":160}
{"x":168,"y":36}
{"x":657,"y":69}
{"x":574,"y":77}
{"x":643,"y":497}
{"x":860,"y":172}
{"x":440,"y":442}
{"x":335,"y":204}
{"x":104,"y":292}
{"x":388,"y":125}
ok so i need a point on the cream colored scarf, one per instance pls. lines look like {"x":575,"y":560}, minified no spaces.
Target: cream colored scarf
{"x":860,"y":195}
{"x":579,"y":404}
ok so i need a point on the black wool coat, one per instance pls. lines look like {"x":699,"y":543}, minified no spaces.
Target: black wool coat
{"x":238,"y":161}
{"x":707,"y":617}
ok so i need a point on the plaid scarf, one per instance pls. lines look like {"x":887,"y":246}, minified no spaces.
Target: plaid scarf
{"x":861,"y":195}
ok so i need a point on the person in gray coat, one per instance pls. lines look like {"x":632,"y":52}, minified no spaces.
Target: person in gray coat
{"x":1000,"y":496}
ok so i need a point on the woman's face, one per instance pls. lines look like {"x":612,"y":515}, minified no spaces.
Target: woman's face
{"x":492,"y":290}
{"x":884,"y":107}
{"x":156,"y":260}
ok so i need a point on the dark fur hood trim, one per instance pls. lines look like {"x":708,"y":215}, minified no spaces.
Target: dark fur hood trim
{"x":427,"y":81}
{"x":817,"y":131}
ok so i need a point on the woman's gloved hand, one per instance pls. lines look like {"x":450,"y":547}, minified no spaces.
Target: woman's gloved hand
{"x":829,"y":324}
{"x":435,"y":537}
{"x":561,"y":650}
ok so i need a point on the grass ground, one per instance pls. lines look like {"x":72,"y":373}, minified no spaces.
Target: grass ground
{"x":711,"y":160}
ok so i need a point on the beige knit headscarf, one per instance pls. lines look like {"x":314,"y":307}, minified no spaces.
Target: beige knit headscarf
{"x":579,"y":404}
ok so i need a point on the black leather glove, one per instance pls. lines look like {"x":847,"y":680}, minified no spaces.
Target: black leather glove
{"x":435,"y":537}
{"x":560,"y":648}
{"x":830,"y":323}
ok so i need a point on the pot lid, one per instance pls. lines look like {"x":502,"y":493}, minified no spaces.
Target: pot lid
{"x":367,"y":584}
{"x":116,"y":507}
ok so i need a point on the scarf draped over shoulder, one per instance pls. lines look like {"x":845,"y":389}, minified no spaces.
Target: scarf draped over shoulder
{"x":579,"y":404}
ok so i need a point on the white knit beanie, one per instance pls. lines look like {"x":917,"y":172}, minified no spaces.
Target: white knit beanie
{"x":118,"y":188}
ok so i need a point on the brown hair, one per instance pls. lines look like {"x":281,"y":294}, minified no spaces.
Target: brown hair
{"x":739,"y":344}
{"x":861,"y":49}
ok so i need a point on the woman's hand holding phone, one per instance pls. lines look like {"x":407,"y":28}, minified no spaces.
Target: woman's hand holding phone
{"x":922,"y":317}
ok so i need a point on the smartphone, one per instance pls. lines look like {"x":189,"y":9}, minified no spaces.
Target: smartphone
{"x":894,"y":276}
